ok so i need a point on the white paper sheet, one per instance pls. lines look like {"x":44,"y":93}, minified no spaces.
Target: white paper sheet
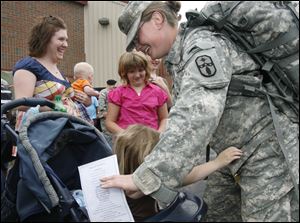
{"x":103,"y":205}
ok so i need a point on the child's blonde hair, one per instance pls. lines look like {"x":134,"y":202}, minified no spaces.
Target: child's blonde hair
{"x":133,"y":145}
{"x":132,"y":60}
{"x":83,"y":70}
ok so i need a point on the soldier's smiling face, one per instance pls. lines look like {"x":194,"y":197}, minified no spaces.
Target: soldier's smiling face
{"x":155,"y":37}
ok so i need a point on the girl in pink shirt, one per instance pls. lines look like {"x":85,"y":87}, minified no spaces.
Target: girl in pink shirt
{"x":137,"y":101}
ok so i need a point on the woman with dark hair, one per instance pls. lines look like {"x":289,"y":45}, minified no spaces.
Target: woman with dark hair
{"x":38,"y":75}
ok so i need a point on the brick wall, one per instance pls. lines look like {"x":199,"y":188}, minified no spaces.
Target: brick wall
{"x":17,"y":19}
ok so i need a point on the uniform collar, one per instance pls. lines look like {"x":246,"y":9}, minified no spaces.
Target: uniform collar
{"x":174,"y":56}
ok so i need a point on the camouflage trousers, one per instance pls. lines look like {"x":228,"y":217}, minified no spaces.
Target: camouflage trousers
{"x":263,"y":191}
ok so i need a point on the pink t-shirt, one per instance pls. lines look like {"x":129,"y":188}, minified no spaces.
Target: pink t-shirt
{"x":135,"y":109}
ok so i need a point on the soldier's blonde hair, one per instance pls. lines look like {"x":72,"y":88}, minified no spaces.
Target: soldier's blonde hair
{"x":133,"y":145}
{"x":169,"y":9}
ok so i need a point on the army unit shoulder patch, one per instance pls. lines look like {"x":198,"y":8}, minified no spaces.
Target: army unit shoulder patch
{"x":206,"y":66}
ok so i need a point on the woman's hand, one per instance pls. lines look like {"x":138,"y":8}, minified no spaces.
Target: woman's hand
{"x":159,"y":81}
{"x":83,"y":98}
{"x":124,"y":182}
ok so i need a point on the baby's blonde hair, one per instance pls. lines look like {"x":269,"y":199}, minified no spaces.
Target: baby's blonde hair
{"x":83,"y":70}
{"x":133,"y":145}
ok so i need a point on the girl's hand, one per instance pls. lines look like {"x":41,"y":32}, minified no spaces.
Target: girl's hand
{"x":228,"y":155}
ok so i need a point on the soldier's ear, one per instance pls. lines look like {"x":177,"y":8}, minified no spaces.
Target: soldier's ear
{"x":158,"y":19}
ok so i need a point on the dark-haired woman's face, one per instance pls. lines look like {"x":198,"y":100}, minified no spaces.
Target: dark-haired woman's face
{"x":58,"y":45}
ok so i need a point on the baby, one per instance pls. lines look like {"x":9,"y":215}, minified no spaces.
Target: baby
{"x":83,"y":75}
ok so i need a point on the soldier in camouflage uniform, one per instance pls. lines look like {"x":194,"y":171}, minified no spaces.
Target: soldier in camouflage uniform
{"x":203,"y":64}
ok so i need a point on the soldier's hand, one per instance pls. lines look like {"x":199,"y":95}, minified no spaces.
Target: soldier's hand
{"x":124,"y":182}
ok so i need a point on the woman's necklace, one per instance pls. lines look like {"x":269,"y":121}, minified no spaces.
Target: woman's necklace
{"x":52,"y":68}
{"x":55,"y":71}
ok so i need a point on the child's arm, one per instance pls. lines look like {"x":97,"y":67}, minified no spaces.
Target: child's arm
{"x":90,"y":91}
{"x":112,"y":117}
{"x":223,"y":159}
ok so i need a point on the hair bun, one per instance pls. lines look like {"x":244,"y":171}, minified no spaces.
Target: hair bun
{"x":174,"y":5}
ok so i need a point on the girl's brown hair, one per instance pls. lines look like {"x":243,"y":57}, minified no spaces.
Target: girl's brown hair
{"x":42,"y":33}
{"x":133,"y":145}
{"x":132,"y":60}
{"x":169,"y":9}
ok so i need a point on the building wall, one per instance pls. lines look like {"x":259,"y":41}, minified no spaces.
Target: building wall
{"x":103,"y":44}
{"x":17,"y":19}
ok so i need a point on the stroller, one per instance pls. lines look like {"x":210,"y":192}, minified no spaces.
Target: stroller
{"x":51,"y":146}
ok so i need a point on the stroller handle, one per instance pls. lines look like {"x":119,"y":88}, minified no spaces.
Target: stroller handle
{"x":31,"y":102}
